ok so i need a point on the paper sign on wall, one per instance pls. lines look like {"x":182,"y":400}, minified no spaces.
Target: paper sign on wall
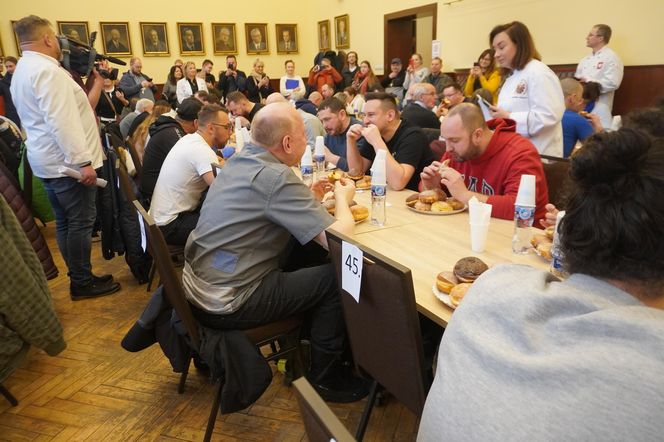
{"x":435,"y":48}
{"x":351,"y":269}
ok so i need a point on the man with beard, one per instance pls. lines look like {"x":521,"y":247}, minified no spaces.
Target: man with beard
{"x":486,"y":162}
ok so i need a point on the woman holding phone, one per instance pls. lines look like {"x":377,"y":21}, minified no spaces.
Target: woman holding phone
{"x":531,"y":94}
{"x":415,"y":72}
{"x":484,"y":75}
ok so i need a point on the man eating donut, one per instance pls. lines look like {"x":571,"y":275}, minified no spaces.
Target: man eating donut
{"x":234,"y":259}
{"x":486,"y":160}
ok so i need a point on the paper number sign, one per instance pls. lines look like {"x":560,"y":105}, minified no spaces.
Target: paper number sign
{"x":351,"y":269}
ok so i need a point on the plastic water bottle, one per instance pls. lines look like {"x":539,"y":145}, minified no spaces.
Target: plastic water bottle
{"x":319,"y":156}
{"x":307,"y":167}
{"x":523,"y":221}
{"x":557,"y":267}
{"x":524,"y":215}
{"x":378,"y":190}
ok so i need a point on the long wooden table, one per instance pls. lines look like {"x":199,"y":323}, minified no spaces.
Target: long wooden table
{"x":430,"y":244}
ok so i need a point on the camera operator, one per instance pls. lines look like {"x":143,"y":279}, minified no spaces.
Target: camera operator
{"x":111,"y":102}
{"x":134,"y":83}
{"x":61,"y":131}
{"x":232,"y":79}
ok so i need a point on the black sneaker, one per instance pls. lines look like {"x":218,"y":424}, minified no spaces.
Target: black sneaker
{"x":93,"y":290}
{"x":102,"y":279}
{"x":342,"y":388}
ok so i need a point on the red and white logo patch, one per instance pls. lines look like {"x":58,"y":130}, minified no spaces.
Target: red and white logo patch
{"x":521,"y":87}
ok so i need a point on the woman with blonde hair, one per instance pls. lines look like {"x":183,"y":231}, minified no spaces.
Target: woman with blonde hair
{"x":191,"y":83}
{"x":139,"y":139}
{"x":484,"y":75}
{"x":258,"y":84}
{"x":415,"y":72}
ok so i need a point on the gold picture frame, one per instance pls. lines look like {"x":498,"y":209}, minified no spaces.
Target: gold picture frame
{"x":115,"y":38}
{"x":324,"y":35}
{"x":224,"y":38}
{"x":256,"y":38}
{"x":77,"y":30}
{"x":287,"y":42}
{"x":342,"y":31}
{"x":154,"y":36}
{"x":19,"y":52}
{"x":190,"y":37}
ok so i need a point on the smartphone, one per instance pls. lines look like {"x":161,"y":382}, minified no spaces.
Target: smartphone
{"x":476,"y":64}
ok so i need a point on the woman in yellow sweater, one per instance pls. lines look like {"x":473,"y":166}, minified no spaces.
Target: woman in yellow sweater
{"x":484,"y":75}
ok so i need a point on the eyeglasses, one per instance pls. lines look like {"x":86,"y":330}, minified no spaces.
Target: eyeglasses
{"x":225,"y":126}
{"x":593,"y":35}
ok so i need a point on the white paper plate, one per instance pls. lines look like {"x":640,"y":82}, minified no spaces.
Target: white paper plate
{"x":444,"y":297}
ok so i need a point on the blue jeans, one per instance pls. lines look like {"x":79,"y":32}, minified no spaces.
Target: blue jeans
{"x":75,"y":213}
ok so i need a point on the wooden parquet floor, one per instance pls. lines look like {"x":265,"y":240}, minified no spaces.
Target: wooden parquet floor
{"x":97,"y":391}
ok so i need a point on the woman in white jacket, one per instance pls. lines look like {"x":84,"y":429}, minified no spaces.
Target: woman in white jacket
{"x":531,"y":94}
{"x":190,"y":84}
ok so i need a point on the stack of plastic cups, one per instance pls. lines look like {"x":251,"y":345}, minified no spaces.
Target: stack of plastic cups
{"x":479,"y":217}
{"x":524,"y":215}
{"x":378,"y":189}
{"x":319,"y":156}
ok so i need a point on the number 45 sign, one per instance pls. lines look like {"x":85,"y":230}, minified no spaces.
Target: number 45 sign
{"x":351,"y":269}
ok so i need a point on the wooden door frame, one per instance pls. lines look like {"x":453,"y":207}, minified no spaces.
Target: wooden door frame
{"x":431,"y":8}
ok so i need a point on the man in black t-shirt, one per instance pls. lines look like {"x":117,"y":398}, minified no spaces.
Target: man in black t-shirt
{"x":164,"y":133}
{"x":384,"y":129}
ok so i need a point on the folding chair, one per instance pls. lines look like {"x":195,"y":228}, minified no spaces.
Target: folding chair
{"x":259,"y":336}
{"x":384,"y":329}
{"x":556,"y":171}
{"x":320,"y":422}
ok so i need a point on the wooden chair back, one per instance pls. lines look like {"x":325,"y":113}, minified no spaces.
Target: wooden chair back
{"x":169,"y":278}
{"x":320,"y":423}
{"x":383,"y":328}
{"x":556,"y":171}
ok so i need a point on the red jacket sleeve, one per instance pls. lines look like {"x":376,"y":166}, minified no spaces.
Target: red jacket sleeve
{"x":527,"y":163}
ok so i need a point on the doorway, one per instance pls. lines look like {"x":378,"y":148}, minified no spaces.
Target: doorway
{"x":409,"y":31}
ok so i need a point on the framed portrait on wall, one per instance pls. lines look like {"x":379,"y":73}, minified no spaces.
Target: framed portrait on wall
{"x":287,"y":39}
{"x":190,"y":36}
{"x":155,"y":39}
{"x":256,"y":37}
{"x":223,"y":35}
{"x":342,"y":32}
{"x":18,"y":46}
{"x":324,"y":35}
{"x":115,"y":37}
{"x":77,"y":30}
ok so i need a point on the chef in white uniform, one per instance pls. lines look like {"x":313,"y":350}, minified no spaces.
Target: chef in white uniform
{"x":531,"y":95}
{"x":603,"y":66}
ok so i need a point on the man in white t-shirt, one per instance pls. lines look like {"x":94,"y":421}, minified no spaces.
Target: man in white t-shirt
{"x":603,"y":66}
{"x":186,"y":175}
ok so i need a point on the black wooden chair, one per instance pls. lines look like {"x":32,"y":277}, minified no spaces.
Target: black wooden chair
{"x":216,"y":167}
{"x":384,"y":329}
{"x":265,"y":335}
{"x":7,"y":394}
{"x":320,"y":423}
{"x":176,"y":252}
{"x":556,"y":171}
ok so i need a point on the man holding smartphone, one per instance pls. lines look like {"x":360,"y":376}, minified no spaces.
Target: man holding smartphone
{"x":231,"y":79}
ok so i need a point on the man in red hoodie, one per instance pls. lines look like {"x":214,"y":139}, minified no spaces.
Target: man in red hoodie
{"x":487,"y":160}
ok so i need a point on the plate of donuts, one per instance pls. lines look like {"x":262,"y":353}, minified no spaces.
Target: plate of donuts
{"x":451,"y":287}
{"x":434,"y":202}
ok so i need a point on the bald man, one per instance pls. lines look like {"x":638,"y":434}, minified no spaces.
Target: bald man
{"x":232,"y":275}
{"x":312,"y":125}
